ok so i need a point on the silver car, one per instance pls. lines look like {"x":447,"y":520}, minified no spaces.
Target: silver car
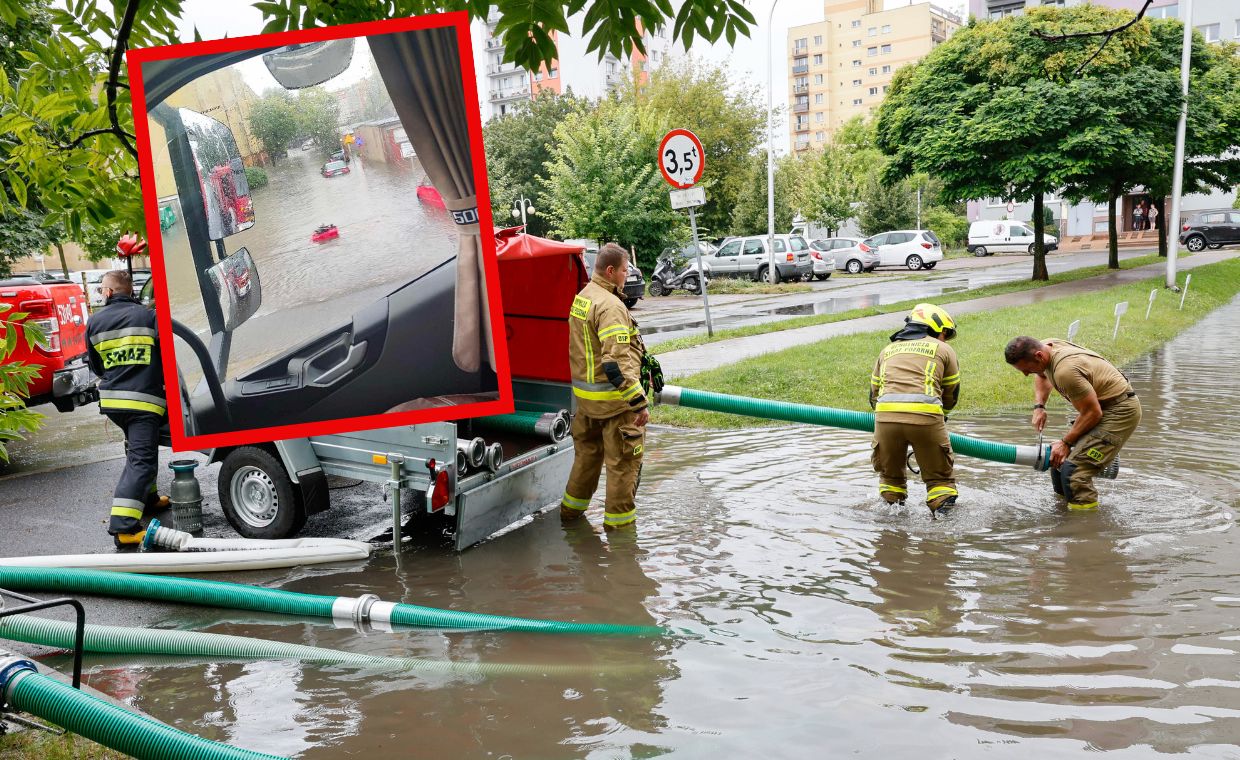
{"x":851,"y":255}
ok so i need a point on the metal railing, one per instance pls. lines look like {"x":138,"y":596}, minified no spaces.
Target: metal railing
{"x":800,"y":107}
{"x":498,"y":95}
{"x":494,"y":43}
{"x":801,"y":68}
{"x":798,"y":88}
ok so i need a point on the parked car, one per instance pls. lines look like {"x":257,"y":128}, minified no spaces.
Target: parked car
{"x":851,"y":254}
{"x":94,"y":285}
{"x":140,"y":278}
{"x":634,"y":284}
{"x":1211,"y":228}
{"x":332,"y":168}
{"x":707,"y":249}
{"x":748,"y":257}
{"x":823,"y":263}
{"x":988,"y":237}
{"x":915,"y":249}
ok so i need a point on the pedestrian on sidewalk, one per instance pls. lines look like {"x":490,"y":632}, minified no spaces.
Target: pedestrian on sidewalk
{"x":124,"y":353}
{"x":915,"y":382}
{"x":605,"y":354}
{"x":1108,"y":411}
{"x":1151,"y":216}
{"x":1138,"y":217}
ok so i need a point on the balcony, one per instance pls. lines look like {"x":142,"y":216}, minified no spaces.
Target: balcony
{"x":800,"y":68}
{"x":800,"y":50}
{"x":801,"y":126}
{"x":800,"y":88}
{"x":498,"y":96}
{"x":801,"y":144}
{"x":498,"y":69}
{"x":494,"y":43}
{"x":800,"y":107}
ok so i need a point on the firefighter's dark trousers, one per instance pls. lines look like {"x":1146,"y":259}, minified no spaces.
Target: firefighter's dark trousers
{"x":135,"y":491}
{"x":934,"y":457}
{"x":617,"y":443}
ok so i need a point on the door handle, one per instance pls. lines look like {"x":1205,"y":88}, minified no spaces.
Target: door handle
{"x":350,"y":362}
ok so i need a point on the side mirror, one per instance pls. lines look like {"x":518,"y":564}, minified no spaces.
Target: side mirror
{"x":225,"y":190}
{"x":298,"y":66}
{"x":237,"y":286}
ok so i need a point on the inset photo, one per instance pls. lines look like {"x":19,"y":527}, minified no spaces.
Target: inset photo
{"x":314,"y":201}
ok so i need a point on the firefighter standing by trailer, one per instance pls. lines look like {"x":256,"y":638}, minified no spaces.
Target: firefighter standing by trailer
{"x":605,"y":353}
{"x":124,"y":353}
{"x":1108,"y":411}
{"x":916,"y":380}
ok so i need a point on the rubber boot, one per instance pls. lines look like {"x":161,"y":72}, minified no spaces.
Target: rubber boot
{"x":128,"y":542}
{"x":568,"y":514}
{"x":893,"y":499}
{"x":941,"y":505}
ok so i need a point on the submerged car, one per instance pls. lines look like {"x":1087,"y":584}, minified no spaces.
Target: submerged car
{"x":332,"y":168}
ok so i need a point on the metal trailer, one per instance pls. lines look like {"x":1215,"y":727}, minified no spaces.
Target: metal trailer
{"x":268,"y":490}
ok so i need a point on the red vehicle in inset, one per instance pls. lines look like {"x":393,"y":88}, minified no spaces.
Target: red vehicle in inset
{"x":59,"y":309}
{"x":236,"y":204}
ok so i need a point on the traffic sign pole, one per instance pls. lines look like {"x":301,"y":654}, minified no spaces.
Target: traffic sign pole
{"x":682,"y":159}
{"x":710,"y":328}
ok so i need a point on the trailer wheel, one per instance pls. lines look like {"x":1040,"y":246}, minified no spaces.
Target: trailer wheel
{"x":258,"y":496}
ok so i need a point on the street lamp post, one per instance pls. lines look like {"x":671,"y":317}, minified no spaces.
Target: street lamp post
{"x":770,"y":149}
{"x":1177,"y":177}
{"x":521,"y":207}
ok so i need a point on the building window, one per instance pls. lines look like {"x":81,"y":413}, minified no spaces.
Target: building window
{"x":1167,"y":11}
{"x":818,"y":59}
{"x":873,"y":71}
{"x":885,"y":88}
{"x":1209,"y":31}
{"x":818,"y":116}
{"x":886,"y":49}
{"x":856,"y":101}
{"x":856,"y":43}
{"x":1238,"y":28}
{"x":820,"y":136}
{"x":873,"y":90}
{"x":856,"y":63}
{"x":818,"y":79}
{"x":856,"y":24}
{"x":800,"y":43}
{"x":553,"y":73}
{"x":871,"y":32}
{"x":817,"y":39}
{"x":887,"y":69}
{"x":856,"y":83}
{"x":538,"y":76}
{"x":886,"y":28}
{"x":871,"y":51}
{"x":818,"y":99}
{"x":1059,"y":3}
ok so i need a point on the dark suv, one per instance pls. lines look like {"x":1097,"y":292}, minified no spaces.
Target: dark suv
{"x":1211,"y":228}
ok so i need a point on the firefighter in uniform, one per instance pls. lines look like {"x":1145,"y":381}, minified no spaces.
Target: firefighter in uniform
{"x":916,"y":380}
{"x":1108,"y":411}
{"x":605,"y":351}
{"x":124,"y":353}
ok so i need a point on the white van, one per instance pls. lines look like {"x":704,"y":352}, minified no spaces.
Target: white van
{"x":987,"y":237}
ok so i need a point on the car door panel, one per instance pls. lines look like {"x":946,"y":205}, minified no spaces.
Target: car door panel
{"x":726,"y":259}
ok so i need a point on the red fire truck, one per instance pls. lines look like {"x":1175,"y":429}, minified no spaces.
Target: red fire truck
{"x":59,"y":309}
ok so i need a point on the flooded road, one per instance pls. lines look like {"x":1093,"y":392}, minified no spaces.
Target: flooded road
{"x":822,"y":624}
{"x":387,"y":237}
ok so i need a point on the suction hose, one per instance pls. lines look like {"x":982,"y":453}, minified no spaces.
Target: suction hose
{"x":1037,"y":457}
{"x":24,"y":689}
{"x":475,"y":450}
{"x":238,"y":596}
{"x":105,"y":639}
{"x":550,"y":425}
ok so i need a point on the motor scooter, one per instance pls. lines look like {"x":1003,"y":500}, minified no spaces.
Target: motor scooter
{"x":675,"y":272}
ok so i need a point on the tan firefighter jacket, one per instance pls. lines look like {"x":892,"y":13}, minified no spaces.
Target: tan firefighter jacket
{"x":605,"y":352}
{"x":915,"y":381}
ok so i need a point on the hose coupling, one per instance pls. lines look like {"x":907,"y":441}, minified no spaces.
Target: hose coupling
{"x":670,"y":395}
{"x":12,"y":665}
{"x":495,"y":457}
{"x":160,"y":537}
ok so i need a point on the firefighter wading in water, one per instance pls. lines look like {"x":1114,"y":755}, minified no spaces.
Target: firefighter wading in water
{"x":605,"y":352}
{"x":124,"y":353}
{"x":915,"y":382}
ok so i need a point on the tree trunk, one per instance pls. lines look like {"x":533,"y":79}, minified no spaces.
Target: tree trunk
{"x":1039,"y":241}
{"x":1112,"y":229}
{"x":64,"y":265}
{"x":1161,"y":223}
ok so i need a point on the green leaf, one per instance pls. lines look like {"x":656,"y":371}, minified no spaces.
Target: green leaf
{"x":19,"y":189}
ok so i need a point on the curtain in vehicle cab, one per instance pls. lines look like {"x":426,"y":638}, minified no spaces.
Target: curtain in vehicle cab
{"x":422,"y":73}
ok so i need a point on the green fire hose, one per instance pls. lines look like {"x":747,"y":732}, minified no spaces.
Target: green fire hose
{"x":106,"y":639}
{"x":24,"y":689}
{"x":1037,"y":457}
{"x":208,"y":593}
{"x":553,"y":426}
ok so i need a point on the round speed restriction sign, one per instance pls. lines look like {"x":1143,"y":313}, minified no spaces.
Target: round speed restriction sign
{"x":681,"y":158}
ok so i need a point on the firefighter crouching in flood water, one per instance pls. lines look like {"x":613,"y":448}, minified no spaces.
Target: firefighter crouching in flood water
{"x":124,"y":353}
{"x":916,"y":381}
{"x":1108,"y":411}
{"x":605,"y":351}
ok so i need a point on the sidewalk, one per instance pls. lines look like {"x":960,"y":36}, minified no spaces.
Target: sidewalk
{"x":688,"y":361}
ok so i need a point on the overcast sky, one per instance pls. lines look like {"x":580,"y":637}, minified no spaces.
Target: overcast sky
{"x":237,"y":18}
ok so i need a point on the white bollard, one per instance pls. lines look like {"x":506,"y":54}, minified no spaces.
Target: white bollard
{"x":1120,"y":309}
{"x":1153,"y":294}
{"x":1187,"y":279}
{"x":1073,"y":329}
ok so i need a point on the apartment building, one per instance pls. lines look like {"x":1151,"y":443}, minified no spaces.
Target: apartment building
{"x":842,"y":67}
{"x":501,"y":86}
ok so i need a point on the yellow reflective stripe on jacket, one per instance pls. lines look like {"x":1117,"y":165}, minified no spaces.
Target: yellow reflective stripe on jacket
{"x":929,"y":377}
{"x":611,"y":330}
{"x":128,"y":340}
{"x":631,"y":391}
{"x":952,"y":379}
{"x":107,"y":335}
{"x":619,"y":518}
{"x":585,"y":338}
{"x":874,"y":380}
{"x":605,"y":395}
{"x":908,"y":406}
{"x":129,"y":406}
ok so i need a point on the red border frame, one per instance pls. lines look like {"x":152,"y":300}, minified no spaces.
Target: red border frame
{"x":697,"y":177}
{"x":459,"y":20}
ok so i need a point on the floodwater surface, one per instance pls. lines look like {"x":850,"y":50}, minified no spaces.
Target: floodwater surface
{"x":819,"y":623}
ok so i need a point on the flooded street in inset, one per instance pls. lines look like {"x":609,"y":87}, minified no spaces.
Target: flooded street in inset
{"x":817,"y":623}
{"x":387,"y":238}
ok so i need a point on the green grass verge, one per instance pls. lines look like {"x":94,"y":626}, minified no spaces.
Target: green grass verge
{"x":40,"y":745}
{"x":690,"y":341}
{"x":835,"y":372}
